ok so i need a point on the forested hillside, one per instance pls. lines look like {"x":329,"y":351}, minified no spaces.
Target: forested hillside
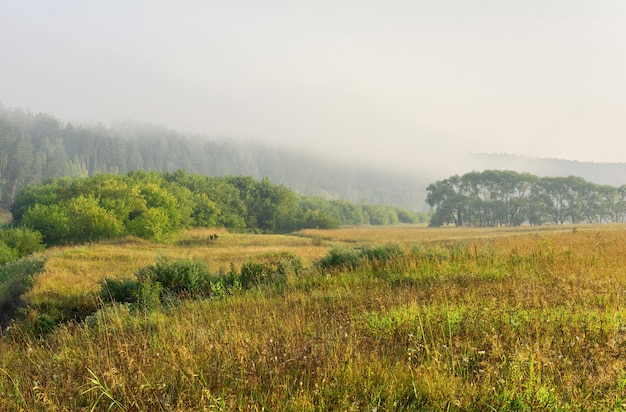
{"x":36,"y":147}
{"x":613,"y":174}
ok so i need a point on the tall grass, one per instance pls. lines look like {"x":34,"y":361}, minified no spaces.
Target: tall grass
{"x":523,"y":321}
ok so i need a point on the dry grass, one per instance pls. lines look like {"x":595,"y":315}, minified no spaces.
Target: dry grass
{"x":78,"y":270}
{"x":495,"y":319}
{"x":5,"y":216}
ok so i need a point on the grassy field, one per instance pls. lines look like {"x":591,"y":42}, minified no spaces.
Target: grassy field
{"x":5,"y":216}
{"x":425,"y":319}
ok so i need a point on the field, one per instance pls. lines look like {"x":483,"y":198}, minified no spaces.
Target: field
{"x":403,"y":318}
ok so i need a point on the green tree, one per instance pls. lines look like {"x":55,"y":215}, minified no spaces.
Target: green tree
{"x":89,"y":221}
{"x":153,"y":224}
{"x":449,"y":204}
{"x":50,"y":220}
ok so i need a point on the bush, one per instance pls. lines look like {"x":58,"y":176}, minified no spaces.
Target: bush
{"x":23,"y":240}
{"x":340,"y":259}
{"x":153,"y":224}
{"x":270,"y":269}
{"x":51,"y":221}
{"x":7,"y":254}
{"x":90,"y":222}
{"x":383,"y":253}
{"x":180,"y":276}
{"x":62,"y":307}
{"x":119,"y":290}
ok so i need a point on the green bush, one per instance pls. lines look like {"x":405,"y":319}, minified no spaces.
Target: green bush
{"x":123,"y":290}
{"x":254,"y":274}
{"x":7,"y":254}
{"x":23,"y":240}
{"x":180,"y":276}
{"x":153,"y":224}
{"x":270,"y":269}
{"x":382,"y":253}
{"x":51,"y":221}
{"x":340,"y":259}
{"x":90,"y":222}
{"x":149,"y":296}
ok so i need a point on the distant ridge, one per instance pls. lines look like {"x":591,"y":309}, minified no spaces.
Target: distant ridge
{"x":603,"y":173}
{"x":37,"y":147}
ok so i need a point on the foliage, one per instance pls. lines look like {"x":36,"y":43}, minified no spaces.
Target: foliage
{"x":507,"y":198}
{"x":37,"y":147}
{"x":124,"y":290}
{"x":340,"y":259}
{"x":345,"y":259}
{"x":382,"y":253}
{"x":16,"y":243}
{"x":270,"y":269}
{"x":157,"y":206}
{"x":179,"y":276}
{"x":15,"y":279}
{"x":22,"y":240}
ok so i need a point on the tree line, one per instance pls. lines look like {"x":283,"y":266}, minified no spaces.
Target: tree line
{"x":508,"y":198}
{"x":37,"y":147}
{"x":157,"y":205}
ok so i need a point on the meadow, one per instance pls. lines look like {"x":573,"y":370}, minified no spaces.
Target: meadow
{"x":375,"y":319}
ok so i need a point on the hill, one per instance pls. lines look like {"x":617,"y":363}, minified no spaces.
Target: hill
{"x":603,"y":173}
{"x":36,"y":147}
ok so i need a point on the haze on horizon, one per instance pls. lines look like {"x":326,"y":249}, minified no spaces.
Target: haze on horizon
{"x":403,"y":84}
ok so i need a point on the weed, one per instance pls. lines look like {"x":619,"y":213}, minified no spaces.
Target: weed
{"x":95,"y":385}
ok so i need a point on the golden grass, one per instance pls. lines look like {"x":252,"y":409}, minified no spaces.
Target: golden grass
{"x":5,"y":216}
{"x":78,"y":270}
{"x":473,"y":319}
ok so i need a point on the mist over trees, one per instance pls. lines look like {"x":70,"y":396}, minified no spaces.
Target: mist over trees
{"x":508,"y":198}
{"x":602,"y":173}
{"x":37,"y":147}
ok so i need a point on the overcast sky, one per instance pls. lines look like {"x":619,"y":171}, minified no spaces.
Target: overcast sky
{"x":390,"y":81}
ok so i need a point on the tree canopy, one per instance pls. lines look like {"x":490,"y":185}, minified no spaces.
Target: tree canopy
{"x":507,"y":198}
{"x":156,"y":205}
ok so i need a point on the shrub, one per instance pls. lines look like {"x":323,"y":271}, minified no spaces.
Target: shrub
{"x":7,"y":254}
{"x":270,"y":269}
{"x":340,"y":259}
{"x":149,"y":296}
{"x":254,"y":274}
{"x":123,"y":290}
{"x":383,"y":253}
{"x":180,"y":276}
{"x":51,"y":221}
{"x":23,"y":240}
{"x":89,"y":221}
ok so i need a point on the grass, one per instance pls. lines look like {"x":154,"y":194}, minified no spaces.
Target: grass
{"x":5,"y":216}
{"x":446,"y":319}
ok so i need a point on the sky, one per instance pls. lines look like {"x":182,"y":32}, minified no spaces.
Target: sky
{"x":405,"y":84}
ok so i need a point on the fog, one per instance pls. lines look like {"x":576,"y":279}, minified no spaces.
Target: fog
{"x":405,"y":85}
